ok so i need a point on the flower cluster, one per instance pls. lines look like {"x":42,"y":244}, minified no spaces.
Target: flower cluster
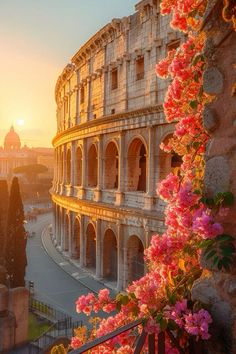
{"x":194,"y":323}
{"x":162,"y":295}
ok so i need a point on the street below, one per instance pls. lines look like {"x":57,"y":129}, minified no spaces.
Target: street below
{"x":52,"y":285}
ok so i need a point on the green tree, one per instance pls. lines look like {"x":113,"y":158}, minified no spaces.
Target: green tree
{"x":4,"y":200}
{"x":31,"y":171}
{"x":16,"y":260}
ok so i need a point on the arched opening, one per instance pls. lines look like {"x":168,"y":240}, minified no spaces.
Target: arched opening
{"x":110,"y":256}
{"x":76,"y":239}
{"x":137,"y":166}
{"x":90,"y":247}
{"x":135,"y":259}
{"x":68,"y":167}
{"x":92,"y":167}
{"x":111,"y":166}
{"x":78,"y":167}
{"x":67,"y":233}
{"x":61,"y":167}
{"x":168,"y":162}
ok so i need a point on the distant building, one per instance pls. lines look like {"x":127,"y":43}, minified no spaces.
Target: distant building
{"x":110,"y":124}
{"x":13,"y":155}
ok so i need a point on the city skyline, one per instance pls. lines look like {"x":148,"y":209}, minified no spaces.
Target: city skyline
{"x":38,"y":40}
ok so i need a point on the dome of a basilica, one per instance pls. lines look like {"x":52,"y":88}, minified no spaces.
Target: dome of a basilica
{"x":12,"y":140}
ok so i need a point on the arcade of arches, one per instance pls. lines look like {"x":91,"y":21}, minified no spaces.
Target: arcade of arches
{"x":118,"y":174}
{"x":108,"y":252}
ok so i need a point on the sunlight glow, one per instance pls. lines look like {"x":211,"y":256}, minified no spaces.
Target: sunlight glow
{"x":20,"y":122}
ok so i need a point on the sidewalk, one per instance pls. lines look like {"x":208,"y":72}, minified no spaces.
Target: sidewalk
{"x":70,"y":266}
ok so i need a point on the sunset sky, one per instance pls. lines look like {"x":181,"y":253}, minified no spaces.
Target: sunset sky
{"x":37,"y":39}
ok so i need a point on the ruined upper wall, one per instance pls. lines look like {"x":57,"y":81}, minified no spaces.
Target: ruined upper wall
{"x":114,"y":71}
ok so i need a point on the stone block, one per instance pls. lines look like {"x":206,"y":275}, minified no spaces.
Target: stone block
{"x":216,"y":176}
{"x":210,"y":119}
{"x":213,"y":81}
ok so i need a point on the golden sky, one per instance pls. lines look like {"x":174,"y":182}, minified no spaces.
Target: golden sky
{"x":37,"y":40}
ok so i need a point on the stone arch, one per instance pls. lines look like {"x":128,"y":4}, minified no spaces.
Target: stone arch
{"x":135,"y":261}
{"x":76,"y":239}
{"x":137,"y":166}
{"x":168,"y":162}
{"x":92,"y":166}
{"x":78,"y":166}
{"x":110,"y":260}
{"x":111,"y":166}
{"x":67,"y":232}
{"x":90,"y":246}
{"x":68,"y":167}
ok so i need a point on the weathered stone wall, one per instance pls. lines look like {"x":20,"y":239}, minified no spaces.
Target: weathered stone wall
{"x":13,"y":317}
{"x":219,"y":288}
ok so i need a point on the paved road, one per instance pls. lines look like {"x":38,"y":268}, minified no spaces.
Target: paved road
{"x":51,"y":283}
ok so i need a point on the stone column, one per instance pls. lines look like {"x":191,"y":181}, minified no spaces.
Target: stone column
{"x":121,"y":170}
{"x":105,"y":84}
{"x":125,"y":267}
{"x":120,"y":257}
{"x":72,"y":179}
{"x":71,"y":229}
{"x":77,"y":99}
{"x":98,"y":191}
{"x":82,"y":240}
{"x":149,"y":197}
{"x":89,"y":110}
{"x":84,"y":169}
{"x":98,"y":249}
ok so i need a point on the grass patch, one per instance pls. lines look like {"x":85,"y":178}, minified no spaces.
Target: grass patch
{"x":36,"y":327}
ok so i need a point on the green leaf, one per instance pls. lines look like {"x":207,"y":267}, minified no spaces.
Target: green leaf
{"x":197,"y":58}
{"x":210,"y":254}
{"x":193,"y":104}
{"x":228,"y":198}
{"x":224,"y":238}
{"x":206,"y":243}
{"x":163,"y":324}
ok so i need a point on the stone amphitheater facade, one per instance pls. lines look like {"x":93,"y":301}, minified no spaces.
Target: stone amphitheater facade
{"x":108,"y":162}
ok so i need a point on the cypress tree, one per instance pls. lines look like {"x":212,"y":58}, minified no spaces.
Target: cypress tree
{"x":16,"y":238}
{"x":4,"y":200}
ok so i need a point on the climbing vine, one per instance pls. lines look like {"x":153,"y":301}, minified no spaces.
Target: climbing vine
{"x":193,"y":219}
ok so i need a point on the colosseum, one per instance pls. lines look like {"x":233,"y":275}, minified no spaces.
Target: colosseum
{"x":110,"y":124}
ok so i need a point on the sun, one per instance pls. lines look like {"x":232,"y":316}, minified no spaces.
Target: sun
{"x":20,"y":122}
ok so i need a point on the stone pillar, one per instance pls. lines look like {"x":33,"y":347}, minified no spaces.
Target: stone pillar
{"x":64,"y":165}
{"x":89,"y":110}
{"x":71,"y":231}
{"x":84,"y":168}
{"x":150,"y":170}
{"x":82,"y":240}
{"x":120,"y":257}
{"x":98,"y":190}
{"x":125,"y":267}
{"x":19,"y":305}
{"x":98,"y":249}
{"x":7,"y":322}
{"x":121,"y":170}
{"x":73,"y":157}
{"x":77,"y":99}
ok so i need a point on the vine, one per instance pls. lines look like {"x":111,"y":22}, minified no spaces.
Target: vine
{"x":163,"y":296}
